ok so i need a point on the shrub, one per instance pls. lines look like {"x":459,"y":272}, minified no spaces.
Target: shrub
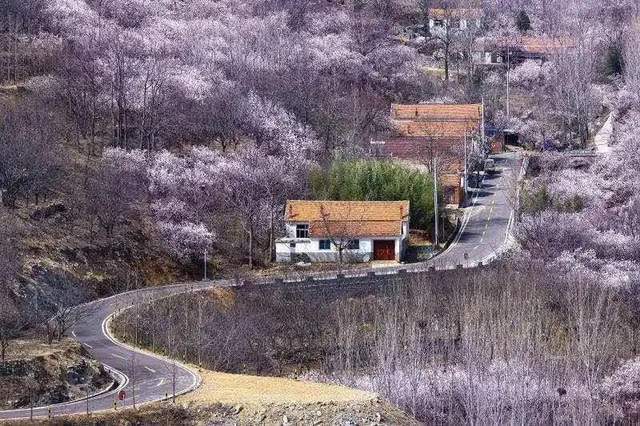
{"x":377,"y":181}
{"x":622,"y":388}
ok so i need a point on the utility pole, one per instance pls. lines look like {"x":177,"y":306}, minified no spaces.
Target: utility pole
{"x":435,"y":202}
{"x":484,"y":133}
{"x":205,"y":264}
{"x":466,"y":171}
{"x":133,"y":377}
{"x":508,"y":82}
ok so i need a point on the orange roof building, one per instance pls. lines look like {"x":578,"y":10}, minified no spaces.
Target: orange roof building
{"x":455,"y":18}
{"x":519,"y":49}
{"x":321,"y":231}
{"x":456,"y":13}
{"x":428,"y":131}
{"x":437,"y":120}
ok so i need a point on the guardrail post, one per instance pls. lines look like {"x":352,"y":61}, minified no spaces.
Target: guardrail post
{"x":49,"y":412}
{"x":480,"y":265}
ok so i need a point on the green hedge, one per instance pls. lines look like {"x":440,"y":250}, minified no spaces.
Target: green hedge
{"x":367,"y":180}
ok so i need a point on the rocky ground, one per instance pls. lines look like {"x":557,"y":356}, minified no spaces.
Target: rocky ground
{"x":40,"y":374}
{"x":318,"y":414}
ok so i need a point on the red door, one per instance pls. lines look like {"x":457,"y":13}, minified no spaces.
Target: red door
{"x":384,"y":250}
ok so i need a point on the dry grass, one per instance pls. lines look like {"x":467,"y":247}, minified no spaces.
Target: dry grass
{"x":234,"y":389}
{"x":29,"y":349}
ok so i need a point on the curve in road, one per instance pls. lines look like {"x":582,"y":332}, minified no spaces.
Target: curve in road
{"x":148,"y":377}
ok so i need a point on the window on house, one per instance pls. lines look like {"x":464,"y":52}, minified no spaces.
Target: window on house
{"x":292,"y":245}
{"x":325,"y":244}
{"x":302,"y":231}
{"x":353,"y":245}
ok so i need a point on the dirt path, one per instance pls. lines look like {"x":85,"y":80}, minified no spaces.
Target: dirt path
{"x":603,"y":137}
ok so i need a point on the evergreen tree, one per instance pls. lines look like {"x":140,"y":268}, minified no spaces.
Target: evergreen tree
{"x":363,"y":180}
{"x":523,"y":23}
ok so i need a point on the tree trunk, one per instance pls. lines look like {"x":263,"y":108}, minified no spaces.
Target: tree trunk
{"x":446,"y":64}
{"x":250,"y":247}
{"x":271,"y":238}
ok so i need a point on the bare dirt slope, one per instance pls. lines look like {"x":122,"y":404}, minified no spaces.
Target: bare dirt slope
{"x":40,"y":374}
{"x":275,"y":400}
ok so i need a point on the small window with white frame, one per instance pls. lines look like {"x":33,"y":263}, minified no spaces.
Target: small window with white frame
{"x":302,"y":230}
{"x":353,"y":245}
{"x":324,"y":244}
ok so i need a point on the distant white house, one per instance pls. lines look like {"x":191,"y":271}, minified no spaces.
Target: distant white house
{"x":455,"y":18}
{"x":318,"y":231}
{"x":516,"y":50}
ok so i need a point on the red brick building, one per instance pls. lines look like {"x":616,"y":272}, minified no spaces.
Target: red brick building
{"x":428,"y":131}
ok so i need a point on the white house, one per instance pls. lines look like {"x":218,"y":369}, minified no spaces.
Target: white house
{"x":516,"y":50}
{"x":319,"y":231}
{"x":455,"y":18}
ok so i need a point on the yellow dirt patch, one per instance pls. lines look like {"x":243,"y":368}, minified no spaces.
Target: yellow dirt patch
{"x":29,"y":349}
{"x":234,"y":389}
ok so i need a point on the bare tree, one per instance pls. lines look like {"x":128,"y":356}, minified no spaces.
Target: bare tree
{"x":64,"y":319}
{"x":29,"y":153}
{"x":116,"y":188}
{"x":342,"y":232}
{"x":11,"y":323}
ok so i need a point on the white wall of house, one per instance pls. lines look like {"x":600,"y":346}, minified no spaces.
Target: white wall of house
{"x":292,"y":249}
{"x":463,"y":23}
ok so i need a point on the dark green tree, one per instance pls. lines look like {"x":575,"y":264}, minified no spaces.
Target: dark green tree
{"x":614,"y":61}
{"x":523,"y":23}
{"x":366,"y":180}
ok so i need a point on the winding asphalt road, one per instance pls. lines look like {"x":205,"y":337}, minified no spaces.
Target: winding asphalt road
{"x":487,"y":220}
{"x":147,"y":378}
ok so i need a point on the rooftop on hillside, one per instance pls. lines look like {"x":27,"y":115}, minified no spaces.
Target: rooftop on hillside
{"x":437,"y":112}
{"x":456,"y":13}
{"x":356,"y":218}
{"x":437,"y":120}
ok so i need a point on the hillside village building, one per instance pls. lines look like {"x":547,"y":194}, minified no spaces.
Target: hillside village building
{"x":318,"y":231}
{"x":455,"y":18}
{"x":427,"y":131}
{"x":500,"y":52}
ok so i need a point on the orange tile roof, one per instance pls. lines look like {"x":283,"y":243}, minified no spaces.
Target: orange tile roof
{"x":355,"y":229}
{"x":355,"y":218}
{"x":437,"y":112}
{"x":437,"y":129}
{"x":437,"y":120}
{"x":456,"y":13}
{"x":536,"y":45}
{"x":546,"y":45}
